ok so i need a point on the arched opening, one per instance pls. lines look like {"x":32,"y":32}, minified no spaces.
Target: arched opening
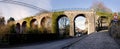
{"x":102,"y":23}
{"x":43,"y":22}
{"x":24,"y":26}
{"x":17,"y":28}
{"x":63,"y":25}
{"x":46,"y":23}
{"x":33,"y":24}
{"x":80,"y":25}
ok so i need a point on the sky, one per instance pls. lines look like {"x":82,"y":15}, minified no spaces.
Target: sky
{"x":19,"y":12}
{"x":80,"y":24}
{"x":112,"y":4}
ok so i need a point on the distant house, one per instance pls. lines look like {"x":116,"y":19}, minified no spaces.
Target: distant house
{"x":77,"y":29}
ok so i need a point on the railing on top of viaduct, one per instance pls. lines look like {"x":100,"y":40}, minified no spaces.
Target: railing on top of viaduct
{"x":70,"y":9}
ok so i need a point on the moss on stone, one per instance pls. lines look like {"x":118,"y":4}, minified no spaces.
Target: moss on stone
{"x":54,"y":21}
{"x":28,"y":19}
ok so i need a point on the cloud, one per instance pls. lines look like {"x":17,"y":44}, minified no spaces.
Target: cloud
{"x":80,"y":25}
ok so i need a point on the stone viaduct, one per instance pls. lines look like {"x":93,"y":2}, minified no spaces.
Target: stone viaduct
{"x":48,"y":19}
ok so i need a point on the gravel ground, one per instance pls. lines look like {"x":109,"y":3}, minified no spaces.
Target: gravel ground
{"x":99,"y":40}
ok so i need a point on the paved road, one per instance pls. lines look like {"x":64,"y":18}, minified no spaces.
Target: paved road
{"x":99,"y":40}
{"x":52,"y":45}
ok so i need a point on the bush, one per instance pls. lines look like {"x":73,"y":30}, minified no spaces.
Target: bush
{"x":9,"y":36}
{"x":28,"y":38}
{"x":33,"y":31}
{"x":4,"y":30}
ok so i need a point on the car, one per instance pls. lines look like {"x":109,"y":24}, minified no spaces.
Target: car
{"x":78,"y":34}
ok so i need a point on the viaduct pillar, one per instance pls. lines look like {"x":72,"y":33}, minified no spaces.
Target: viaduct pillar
{"x":91,"y":23}
{"x":71,"y":28}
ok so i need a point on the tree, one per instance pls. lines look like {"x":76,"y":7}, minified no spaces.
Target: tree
{"x":63,"y":22}
{"x":63,"y":26}
{"x":10,"y":24}
{"x":2,"y":21}
{"x":100,"y":7}
{"x":11,"y":19}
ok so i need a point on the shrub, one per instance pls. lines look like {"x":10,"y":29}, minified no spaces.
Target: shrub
{"x":33,"y":31}
{"x":9,"y":36}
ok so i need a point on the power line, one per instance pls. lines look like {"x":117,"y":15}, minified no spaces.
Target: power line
{"x":24,"y":4}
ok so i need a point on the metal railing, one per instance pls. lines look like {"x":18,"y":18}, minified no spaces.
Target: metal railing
{"x":72,"y":9}
{"x":24,"y":4}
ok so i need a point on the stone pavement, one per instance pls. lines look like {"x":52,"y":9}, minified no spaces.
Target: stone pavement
{"x":99,"y":40}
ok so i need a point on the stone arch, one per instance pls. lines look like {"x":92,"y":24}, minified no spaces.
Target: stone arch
{"x":66,"y":29}
{"x":102,"y":23}
{"x":86,"y":22}
{"x":17,"y":28}
{"x":24,"y":26}
{"x":45,"y":23}
{"x":42,"y":22}
{"x":33,"y":23}
{"x":24,"y":23}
